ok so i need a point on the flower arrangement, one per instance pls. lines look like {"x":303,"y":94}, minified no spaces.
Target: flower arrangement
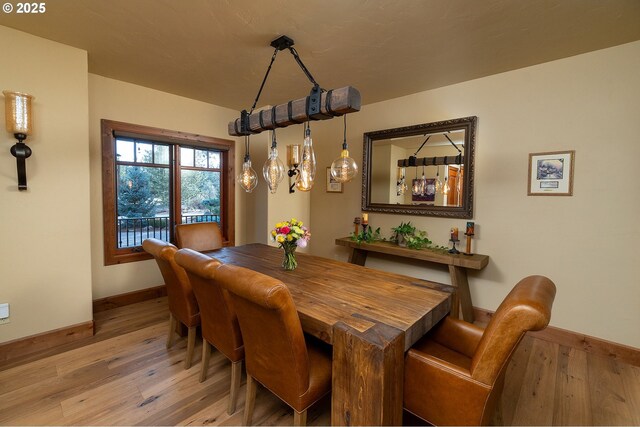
{"x":290,"y":235}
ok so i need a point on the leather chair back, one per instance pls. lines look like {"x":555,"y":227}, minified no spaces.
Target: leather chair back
{"x":199,"y":236}
{"x":182,"y":300}
{"x":273,"y":337}
{"x":219,"y":322}
{"x":454,"y":375}
{"x":526,"y":308}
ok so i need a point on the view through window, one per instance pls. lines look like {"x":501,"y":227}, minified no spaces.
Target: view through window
{"x":159,"y":184}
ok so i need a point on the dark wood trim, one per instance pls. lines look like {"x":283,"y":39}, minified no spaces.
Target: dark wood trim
{"x":31,"y":344}
{"x":115,"y":301}
{"x":621,"y":352}
{"x":109,"y":130}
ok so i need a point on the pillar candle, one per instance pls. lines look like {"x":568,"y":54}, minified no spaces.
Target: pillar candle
{"x":454,"y":233}
{"x":365,"y":218}
{"x":470,"y":227}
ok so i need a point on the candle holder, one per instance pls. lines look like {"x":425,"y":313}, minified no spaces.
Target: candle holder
{"x":364,"y":228}
{"x":356,"y":223}
{"x":453,"y":250}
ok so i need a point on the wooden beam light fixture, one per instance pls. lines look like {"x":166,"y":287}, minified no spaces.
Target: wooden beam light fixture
{"x":318,"y":105}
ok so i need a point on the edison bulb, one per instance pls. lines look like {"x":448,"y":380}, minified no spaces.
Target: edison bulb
{"x":423,"y":184}
{"x":415,"y":188}
{"x":439,"y":184}
{"x":307,"y":169}
{"x":248,"y":178}
{"x":344,"y":168}
{"x":273,"y":170}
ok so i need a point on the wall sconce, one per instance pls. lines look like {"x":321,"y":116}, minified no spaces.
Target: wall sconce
{"x":293,"y":161}
{"x":19,"y":118}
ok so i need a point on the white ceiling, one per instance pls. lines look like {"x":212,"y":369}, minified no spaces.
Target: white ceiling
{"x":217,"y":51}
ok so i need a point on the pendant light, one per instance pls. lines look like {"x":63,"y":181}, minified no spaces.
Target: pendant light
{"x":344,"y":168}
{"x":273,"y":169}
{"x":439,"y":184}
{"x":401,"y":185}
{"x":423,"y":183}
{"x":415,"y":187}
{"x":307,"y":169}
{"x":247,"y":178}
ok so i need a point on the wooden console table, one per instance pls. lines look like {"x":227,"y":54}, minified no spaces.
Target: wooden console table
{"x":458,"y":265}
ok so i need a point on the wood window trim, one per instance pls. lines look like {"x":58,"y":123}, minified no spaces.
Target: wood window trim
{"x":110,"y":130}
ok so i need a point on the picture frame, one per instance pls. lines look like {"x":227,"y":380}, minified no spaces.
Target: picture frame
{"x":333,"y":186}
{"x":551,"y":173}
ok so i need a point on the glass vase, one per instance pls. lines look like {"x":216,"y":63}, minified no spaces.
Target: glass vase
{"x":289,"y":262}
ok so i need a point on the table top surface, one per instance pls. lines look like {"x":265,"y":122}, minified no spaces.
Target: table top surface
{"x":327,"y":291}
{"x":475,"y":261}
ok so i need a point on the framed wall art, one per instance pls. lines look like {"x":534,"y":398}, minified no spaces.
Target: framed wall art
{"x":551,"y":174}
{"x":333,"y":186}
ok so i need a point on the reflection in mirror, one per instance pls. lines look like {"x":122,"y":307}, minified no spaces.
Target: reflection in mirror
{"x":422,"y":170}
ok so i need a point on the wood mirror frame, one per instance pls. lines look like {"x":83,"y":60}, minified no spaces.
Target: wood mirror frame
{"x":464,"y":210}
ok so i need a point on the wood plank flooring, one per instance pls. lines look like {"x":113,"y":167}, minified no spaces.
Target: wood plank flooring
{"x":124,"y":375}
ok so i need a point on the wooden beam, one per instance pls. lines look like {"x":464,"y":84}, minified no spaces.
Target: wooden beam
{"x":333,"y":103}
{"x":431,"y":161}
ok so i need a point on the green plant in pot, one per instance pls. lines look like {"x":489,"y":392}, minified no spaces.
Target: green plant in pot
{"x":406,"y":235}
{"x":367,"y":235}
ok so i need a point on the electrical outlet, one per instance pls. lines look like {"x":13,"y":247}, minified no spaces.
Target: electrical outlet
{"x":4,"y":313}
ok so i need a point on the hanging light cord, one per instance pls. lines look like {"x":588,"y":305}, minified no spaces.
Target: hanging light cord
{"x":246,"y":148}
{"x":418,"y":150}
{"x":264,"y":80}
{"x":294,"y":52}
{"x":274,"y":144}
{"x":344,"y":141}
{"x":454,"y":145}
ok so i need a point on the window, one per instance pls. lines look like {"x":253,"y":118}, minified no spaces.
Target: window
{"x":154,"y":179}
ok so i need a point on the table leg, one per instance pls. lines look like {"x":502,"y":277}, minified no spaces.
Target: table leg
{"x":462,"y":296}
{"x":358,"y":256}
{"x":368,"y":374}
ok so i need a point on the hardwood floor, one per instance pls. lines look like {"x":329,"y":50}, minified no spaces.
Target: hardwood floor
{"x":124,"y":375}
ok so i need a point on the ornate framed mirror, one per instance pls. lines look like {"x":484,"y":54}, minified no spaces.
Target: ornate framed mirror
{"x":423,"y":169}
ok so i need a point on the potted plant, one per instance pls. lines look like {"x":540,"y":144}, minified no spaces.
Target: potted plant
{"x":401,"y":232}
{"x":406,"y":235}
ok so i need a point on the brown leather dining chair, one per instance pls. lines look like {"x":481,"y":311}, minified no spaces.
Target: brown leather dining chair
{"x":277,"y":355}
{"x":219,"y":321}
{"x":183,"y":306}
{"x":199,"y":236}
{"x":455,"y":374}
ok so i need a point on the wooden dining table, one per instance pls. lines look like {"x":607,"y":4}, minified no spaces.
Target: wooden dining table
{"x":370,"y":317}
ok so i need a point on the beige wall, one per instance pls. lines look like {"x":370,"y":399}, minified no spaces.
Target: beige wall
{"x":587,"y":244}
{"x":263,"y":209}
{"x":45,"y":264}
{"x":116,"y":100}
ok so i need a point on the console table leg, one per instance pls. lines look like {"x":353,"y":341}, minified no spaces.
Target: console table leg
{"x":462,"y":295}
{"x":358,"y":256}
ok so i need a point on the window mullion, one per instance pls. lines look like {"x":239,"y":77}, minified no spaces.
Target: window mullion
{"x":177,"y":185}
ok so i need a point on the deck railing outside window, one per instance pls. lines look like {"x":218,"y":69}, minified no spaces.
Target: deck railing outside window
{"x":132,"y":231}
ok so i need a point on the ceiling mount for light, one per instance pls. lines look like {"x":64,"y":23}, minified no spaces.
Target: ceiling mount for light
{"x":320,"y":104}
{"x":282,"y":43}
